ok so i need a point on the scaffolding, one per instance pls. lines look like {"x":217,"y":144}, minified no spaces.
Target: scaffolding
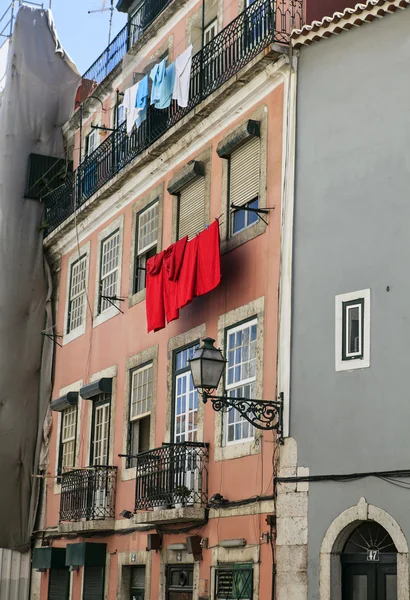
{"x":8,"y":17}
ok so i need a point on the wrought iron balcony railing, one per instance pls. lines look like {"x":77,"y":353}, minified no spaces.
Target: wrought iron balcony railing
{"x":129,"y":35}
{"x":263,"y":22}
{"x":88,"y":494}
{"x":171,"y":476}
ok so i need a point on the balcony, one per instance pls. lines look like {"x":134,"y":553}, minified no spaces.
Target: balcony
{"x":88,"y":495}
{"x":172,"y":482}
{"x":262,"y":23}
{"x":129,"y":35}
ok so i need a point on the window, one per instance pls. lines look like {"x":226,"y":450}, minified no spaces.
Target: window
{"x":67,"y":439}
{"x":137,"y":583}
{"x":244,"y":183}
{"x":353,"y":330}
{"x":240,"y":376}
{"x":140,"y":411}
{"x":119,"y":115}
{"x":210,"y":31}
{"x":100,"y":434}
{"x":234,"y":582}
{"x":91,"y":142}
{"x":76,"y":301}
{"x":352,"y":345}
{"x":180,"y":582}
{"x":109,"y":271}
{"x":191,"y":213}
{"x":185,"y":398}
{"x":146,"y":242}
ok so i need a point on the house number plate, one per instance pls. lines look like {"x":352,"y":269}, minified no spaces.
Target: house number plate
{"x":373,"y":555}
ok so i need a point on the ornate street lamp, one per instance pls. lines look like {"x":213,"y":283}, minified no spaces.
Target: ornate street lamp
{"x":207,"y":367}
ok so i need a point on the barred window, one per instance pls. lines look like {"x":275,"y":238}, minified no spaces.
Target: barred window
{"x":240,"y":376}
{"x":234,"y":582}
{"x":109,"y":277}
{"x":67,"y":439}
{"x":140,"y":411}
{"x":146,"y":243}
{"x":76,"y":302}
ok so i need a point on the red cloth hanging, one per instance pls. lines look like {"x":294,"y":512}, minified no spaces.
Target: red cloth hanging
{"x":155,"y":306}
{"x":172,"y":264}
{"x":187,"y":276}
{"x":209,"y":260}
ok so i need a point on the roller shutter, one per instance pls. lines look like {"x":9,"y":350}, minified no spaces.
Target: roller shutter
{"x":191,"y":209}
{"x":244,"y":173}
{"x":93,"y":583}
{"x":59,"y":586}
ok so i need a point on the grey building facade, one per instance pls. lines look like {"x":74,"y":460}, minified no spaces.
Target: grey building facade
{"x":350,"y":335}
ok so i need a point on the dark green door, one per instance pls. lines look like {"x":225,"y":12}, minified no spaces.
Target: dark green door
{"x":93,"y":583}
{"x":59,"y":584}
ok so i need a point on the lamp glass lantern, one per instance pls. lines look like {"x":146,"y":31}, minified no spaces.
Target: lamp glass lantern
{"x":207,"y":366}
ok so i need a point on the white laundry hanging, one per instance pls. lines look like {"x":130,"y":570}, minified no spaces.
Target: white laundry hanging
{"x":183,"y":77}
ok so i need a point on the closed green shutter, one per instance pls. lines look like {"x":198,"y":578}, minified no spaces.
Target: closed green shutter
{"x":244,"y":173}
{"x":93,"y":583}
{"x":192,"y":208}
{"x":234,"y":582}
{"x":59,"y":585}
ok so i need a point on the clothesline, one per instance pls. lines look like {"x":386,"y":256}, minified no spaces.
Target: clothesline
{"x":168,"y":83}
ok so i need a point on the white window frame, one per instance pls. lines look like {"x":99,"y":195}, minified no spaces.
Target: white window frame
{"x":82,"y":292}
{"x":71,"y":410}
{"x":92,"y":136}
{"x":105,"y":410}
{"x":190,"y":435}
{"x":231,"y":387}
{"x":362,"y":361}
{"x":105,"y":305}
{"x":112,"y":311}
{"x":212,"y":26}
{"x":141,"y":258}
{"x":84,"y":252}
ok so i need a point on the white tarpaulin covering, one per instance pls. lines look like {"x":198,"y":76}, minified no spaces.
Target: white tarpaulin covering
{"x":38,"y":98}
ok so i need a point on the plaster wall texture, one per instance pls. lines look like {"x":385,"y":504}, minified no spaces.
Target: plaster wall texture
{"x":351,"y":233}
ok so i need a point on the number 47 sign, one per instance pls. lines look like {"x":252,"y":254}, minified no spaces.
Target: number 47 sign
{"x":373,"y":555}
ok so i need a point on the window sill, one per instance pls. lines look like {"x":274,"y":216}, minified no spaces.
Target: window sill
{"x":106,"y":315}
{"x":239,"y":450}
{"x":243,"y":236}
{"x":78,"y":526}
{"x":73,"y":335}
{"x":136,"y":298}
{"x":171,"y":515}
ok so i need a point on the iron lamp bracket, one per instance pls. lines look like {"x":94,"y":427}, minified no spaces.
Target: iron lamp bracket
{"x":266,"y":415}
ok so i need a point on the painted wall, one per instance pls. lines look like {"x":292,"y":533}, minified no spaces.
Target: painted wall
{"x":351,"y":233}
{"x":249,"y":272}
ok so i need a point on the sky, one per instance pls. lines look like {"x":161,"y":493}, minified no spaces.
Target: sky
{"x":84,"y":36}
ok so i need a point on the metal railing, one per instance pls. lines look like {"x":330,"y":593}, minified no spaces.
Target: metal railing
{"x":88,"y":494}
{"x":145,"y":14}
{"x":173,"y":475}
{"x":262,"y":23}
{"x":129,"y":35}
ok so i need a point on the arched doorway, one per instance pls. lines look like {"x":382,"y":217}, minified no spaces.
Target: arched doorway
{"x":369,"y":564}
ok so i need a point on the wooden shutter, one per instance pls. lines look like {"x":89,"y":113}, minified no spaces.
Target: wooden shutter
{"x":93,"y":583}
{"x":244,"y":173}
{"x":191,"y":209}
{"x":59,"y":585}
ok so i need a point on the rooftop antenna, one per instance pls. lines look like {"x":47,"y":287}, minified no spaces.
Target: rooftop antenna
{"x":105,"y":8}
